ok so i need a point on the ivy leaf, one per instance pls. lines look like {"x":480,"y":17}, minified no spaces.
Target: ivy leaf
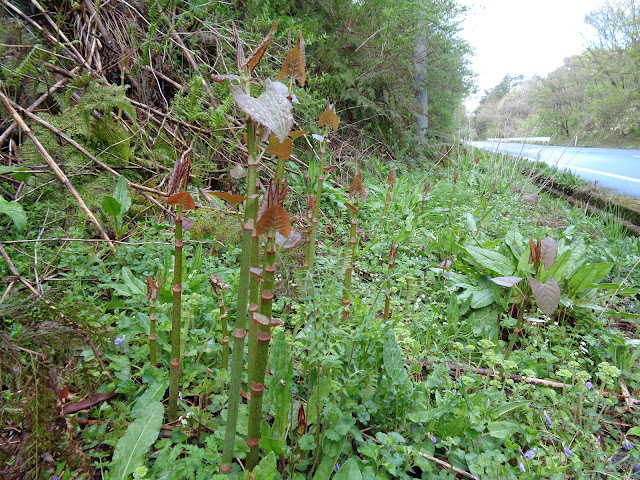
{"x":15,"y":211}
{"x":280,"y":149}
{"x":547,"y":295}
{"x":277,"y":218}
{"x":272,"y":109}
{"x":548,"y":251}
{"x":182,"y":199}
{"x":134,"y":444}
{"x":293,"y":65}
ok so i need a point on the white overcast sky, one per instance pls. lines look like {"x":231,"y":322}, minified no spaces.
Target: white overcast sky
{"x":523,"y":37}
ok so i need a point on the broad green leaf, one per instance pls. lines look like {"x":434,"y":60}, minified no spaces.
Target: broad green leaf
{"x":131,"y":448}
{"x":546,"y":295}
{"x":427,"y":416}
{"x":272,"y":109}
{"x":501,"y":410}
{"x":490,"y":260}
{"x":515,"y":241}
{"x":349,"y":471}
{"x":329,"y":461}
{"x":111,"y":206}
{"x":15,"y":172}
{"x":280,"y":384}
{"x":15,"y":211}
{"x":634,"y":431}
{"x":587,"y":275}
{"x":471,"y":222}
{"x":122,"y":197}
{"x":558,"y":267}
{"x":154,"y":393}
{"x":135,"y":286}
{"x":393,"y":359}
{"x":267,"y":469}
{"x":502,"y":430}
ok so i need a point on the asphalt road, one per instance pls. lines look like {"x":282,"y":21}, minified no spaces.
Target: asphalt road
{"x":617,"y":169}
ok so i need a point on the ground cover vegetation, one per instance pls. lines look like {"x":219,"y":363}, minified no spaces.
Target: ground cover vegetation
{"x":305,"y":308}
{"x":594,"y":95}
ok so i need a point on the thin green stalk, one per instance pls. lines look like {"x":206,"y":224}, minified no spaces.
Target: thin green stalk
{"x":174,"y":373}
{"x":346,"y":291}
{"x":311,"y":244}
{"x":152,"y":331}
{"x":516,"y":331}
{"x":239,"y":331}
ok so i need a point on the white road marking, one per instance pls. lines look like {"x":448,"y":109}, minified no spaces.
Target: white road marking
{"x":598,"y":172}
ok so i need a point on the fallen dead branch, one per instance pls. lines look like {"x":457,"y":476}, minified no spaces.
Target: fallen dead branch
{"x":54,"y":166}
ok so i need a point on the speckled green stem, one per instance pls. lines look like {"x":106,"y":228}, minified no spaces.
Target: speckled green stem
{"x":174,"y":372}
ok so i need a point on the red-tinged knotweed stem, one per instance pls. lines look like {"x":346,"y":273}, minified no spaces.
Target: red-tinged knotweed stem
{"x":353,"y":240}
{"x":240,"y":332}
{"x":258,"y":363}
{"x":386,"y":205}
{"x":174,"y":372}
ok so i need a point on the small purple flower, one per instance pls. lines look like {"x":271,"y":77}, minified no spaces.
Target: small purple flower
{"x":596,"y":345}
{"x":636,"y":468}
{"x":336,"y":467}
{"x":553,"y":442}
{"x":118,"y":341}
{"x":627,"y":445}
{"x":567,"y":451}
{"x":434,"y":439}
{"x":530,"y":454}
{"x":549,"y":421}
{"x":589,"y":385}
{"x":521,"y":465}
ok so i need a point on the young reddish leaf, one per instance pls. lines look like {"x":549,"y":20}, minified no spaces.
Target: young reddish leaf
{"x":351,"y":208}
{"x":357,"y":187}
{"x":272,"y":109}
{"x":548,"y":251}
{"x":240,"y":59}
{"x":182,"y":199}
{"x":329,"y":117}
{"x":277,"y":218}
{"x":547,"y":295}
{"x":280,"y":149}
{"x":476,"y":160}
{"x":298,"y":133}
{"x":238,"y":172}
{"x":256,"y":56}
{"x":275,"y":195}
{"x":506,"y":281}
{"x":302,"y":420}
{"x":229,"y":197}
{"x":217,"y":283}
{"x":260,"y":319}
{"x":223,"y":78}
{"x":391,"y":180}
{"x":293,"y":65}
{"x":533,"y":257}
{"x":179,"y":175}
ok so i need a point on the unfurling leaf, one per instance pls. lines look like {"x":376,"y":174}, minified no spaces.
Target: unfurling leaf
{"x":357,"y":187}
{"x":229,"y":197}
{"x":548,"y":251}
{"x":179,"y":175}
{"x":182,"y":199}
{"x":217,"y":283}
{"x":277,"y":218}
{"x":240,"y":59}
{"x":256,"y":56}
{"x":391,"y":180}
{"x":272,"y":109}
{"x":547,"y":295}
{"x":280,"y":149}
{"x":534,"y":251}
{"x":506,"y":281}
{"x":275,"y":195}
{"x":293,"y":65}
{"x":329,"y":117}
